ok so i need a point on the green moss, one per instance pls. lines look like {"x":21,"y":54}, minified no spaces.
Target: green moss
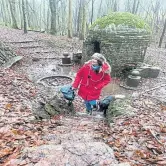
{"x":121,"y":18}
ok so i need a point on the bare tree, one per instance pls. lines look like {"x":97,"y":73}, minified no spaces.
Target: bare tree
{"x":24,"y":16}
{"x":135,"y":6}
{"x":53,"y":8}
{"x":83,"y":20}
{"x":70,"y":20}
{"x":115,"y":6}
{"x":13,"y":13}
{"x":132,"y":6}
{"x":156,"y":6}
{"x":91,"y":20}
{"x":79,"y":17}
{"x":3,"y":12}
{"x":162,"y":35}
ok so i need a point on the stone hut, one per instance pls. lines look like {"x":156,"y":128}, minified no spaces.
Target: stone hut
{"x":121,"y":37}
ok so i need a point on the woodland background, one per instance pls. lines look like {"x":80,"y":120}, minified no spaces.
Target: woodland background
{"x":74,"y":17}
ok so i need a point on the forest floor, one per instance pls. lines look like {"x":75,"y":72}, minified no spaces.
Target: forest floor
{"x":77,"y":140}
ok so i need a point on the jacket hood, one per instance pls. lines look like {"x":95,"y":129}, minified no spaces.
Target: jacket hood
{"x":106,"y":68}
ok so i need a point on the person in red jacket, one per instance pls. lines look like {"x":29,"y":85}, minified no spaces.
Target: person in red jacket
{"x":91,"y":78}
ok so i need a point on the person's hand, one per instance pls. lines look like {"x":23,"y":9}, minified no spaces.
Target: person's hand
{"x":73,"y":88}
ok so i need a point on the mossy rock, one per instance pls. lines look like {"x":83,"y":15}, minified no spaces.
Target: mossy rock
{"x":51,"y":110}
{"x":55,"y":106}
{"x":121,"y":18}
{"x":119,"y":107}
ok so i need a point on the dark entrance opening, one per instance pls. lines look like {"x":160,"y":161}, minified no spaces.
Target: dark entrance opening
{"x":96,"y":46}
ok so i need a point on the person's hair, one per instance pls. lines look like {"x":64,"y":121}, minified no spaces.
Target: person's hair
{"x":99,"y":63}
{"x":99,"y":57}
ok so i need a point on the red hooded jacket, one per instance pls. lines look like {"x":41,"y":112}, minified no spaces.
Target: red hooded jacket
{"x":91,"y":83}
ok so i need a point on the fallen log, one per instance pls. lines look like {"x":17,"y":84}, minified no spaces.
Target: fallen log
{"x":15,"y":42}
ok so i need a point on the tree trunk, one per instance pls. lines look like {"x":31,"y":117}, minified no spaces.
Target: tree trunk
{"x":70,"y":20}
{"x":92,"y":11}
{"x":99,"y":12}
{"x":3,"y":12}
{"x":21,"y":14}
{"x":83,"y":23}
{"x":4,"y":9}
{"x":53,"y":28}
{"x":115,"y":6}
{"x":28,"y":14}
{"x":135,"y":6}
{"x":63,"y":18}
{"x":79,"y":18}
{"x":48,"y":20}
{"x":13,"y":12}
{"x":162,"y":35}
{"x":24,"y":16}
{"x":44,"y":15}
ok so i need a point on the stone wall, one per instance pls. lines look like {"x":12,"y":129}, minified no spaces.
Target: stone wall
{"x":119,"y":45}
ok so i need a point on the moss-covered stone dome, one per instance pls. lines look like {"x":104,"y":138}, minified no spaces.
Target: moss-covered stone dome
{"x":121,"y":37}
{"x":121,"y":18}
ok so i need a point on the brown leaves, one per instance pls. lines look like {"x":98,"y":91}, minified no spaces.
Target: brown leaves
{"x":8,"y":106}
{"x":15,"y":130}
{"x":14,"y":88}
{"x":163,"y":107}
{"x":140,"y":140}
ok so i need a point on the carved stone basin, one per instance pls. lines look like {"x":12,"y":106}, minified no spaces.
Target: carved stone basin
{"x":55,"y":81}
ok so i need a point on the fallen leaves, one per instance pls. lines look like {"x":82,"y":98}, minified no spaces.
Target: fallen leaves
{"x":18,"y":128}
{"x":139,"y":140}
{"x":8,"y":106}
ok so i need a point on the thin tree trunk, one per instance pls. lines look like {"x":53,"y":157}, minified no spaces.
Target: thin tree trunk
{"x":79,"y":18}
{"x":3,"y":13}
{"x":44,"y":14}
{"x":115,"y":9}
{"x":83,"y":23}
{"x":24,"y":16}
{"x":53,"y":29}
{"x":63,"y":19}
{"x":28,"y":14}
{"x":40,"y":16}
{"x":99,"y":12}
{"x":162,"y":35}
{"x":137,"y":7}
{"x":134,"y":6}
{"x":4,"y":6}
{"x":48,"y":20}
{"x":21,"y":14}
{"x":70,"y":20}
{"x":92,"y":11}
{"x":13,"y":10}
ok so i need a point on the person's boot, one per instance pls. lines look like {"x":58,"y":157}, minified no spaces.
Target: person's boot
{"x":89,"y":112}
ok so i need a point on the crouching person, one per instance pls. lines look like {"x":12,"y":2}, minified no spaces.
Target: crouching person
{"x":91,"y":78}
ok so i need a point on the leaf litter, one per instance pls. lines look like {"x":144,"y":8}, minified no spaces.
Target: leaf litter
{"x":138,"y":140}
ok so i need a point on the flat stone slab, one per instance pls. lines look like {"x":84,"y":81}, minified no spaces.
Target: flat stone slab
{"x":81,"y":154}
{"x":12,"y":61}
